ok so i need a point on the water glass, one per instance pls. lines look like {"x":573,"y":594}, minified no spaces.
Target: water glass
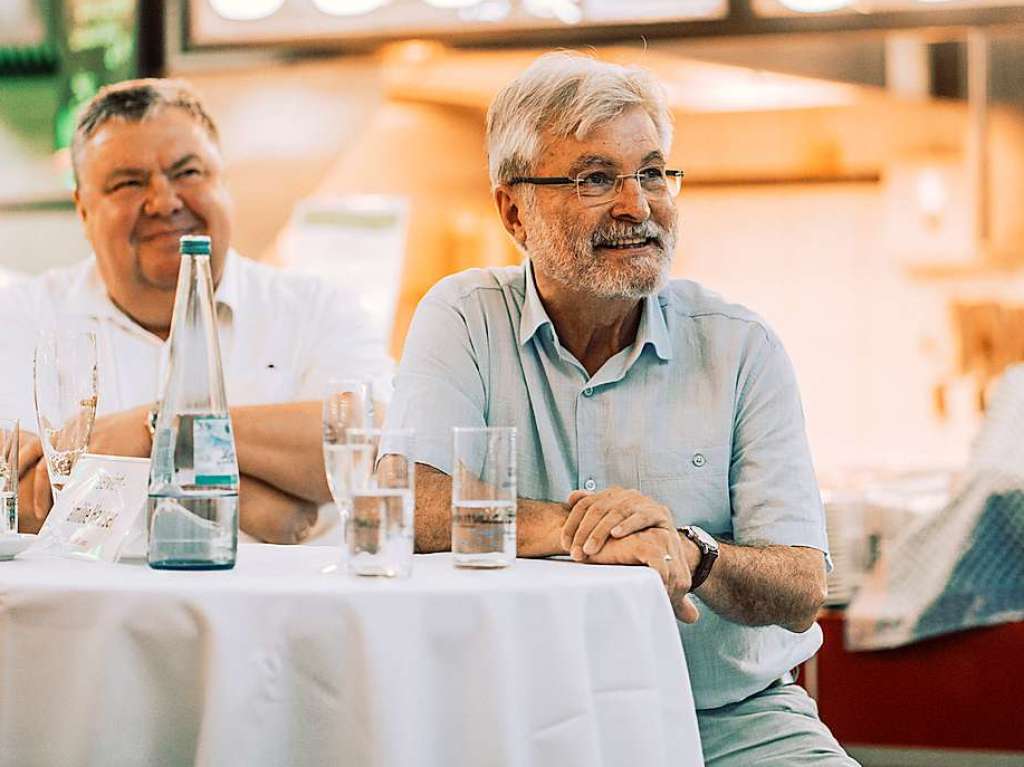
{"x":484,"y":497}
{"x":381,"y":479}
{"x":348,"y":404}
{"x":64,"y":382}
{"x":8,"y":475}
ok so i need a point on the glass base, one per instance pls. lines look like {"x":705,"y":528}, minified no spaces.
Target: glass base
{"x":489,"y":561}
{"x":190,"y":564}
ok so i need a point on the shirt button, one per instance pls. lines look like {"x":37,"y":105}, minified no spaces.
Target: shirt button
{"x":590,"y":484}
{"x":698,"y":460}
{"x":588,"y":392}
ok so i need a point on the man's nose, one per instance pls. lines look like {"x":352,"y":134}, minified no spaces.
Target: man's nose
{"x":161,"y":197}
{"x":630,"y":201}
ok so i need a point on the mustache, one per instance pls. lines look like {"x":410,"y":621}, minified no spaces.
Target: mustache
{"x":619,"y":231}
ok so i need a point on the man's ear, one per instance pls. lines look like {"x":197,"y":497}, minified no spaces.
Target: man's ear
{"x":509,"y":211}
{"x":79,"y":208}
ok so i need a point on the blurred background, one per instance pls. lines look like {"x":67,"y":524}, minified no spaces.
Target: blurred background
{"x":855,"y":172}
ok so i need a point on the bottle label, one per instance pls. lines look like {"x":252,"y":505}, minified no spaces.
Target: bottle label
{"x":214,"y":451}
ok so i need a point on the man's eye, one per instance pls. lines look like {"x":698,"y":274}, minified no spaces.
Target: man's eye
{"x":651,"y":175}
{"x":188,"y":173}
{"x":596,"y":180}
{"x":126,"y":184}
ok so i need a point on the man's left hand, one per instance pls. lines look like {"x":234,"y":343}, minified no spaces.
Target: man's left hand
{"x":615,"y":512}
{"x":663,"y":551}
{"x":123,"y":433}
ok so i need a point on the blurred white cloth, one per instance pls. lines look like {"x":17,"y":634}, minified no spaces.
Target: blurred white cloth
{"x":961,"y":565}
{"x":275,"y":663}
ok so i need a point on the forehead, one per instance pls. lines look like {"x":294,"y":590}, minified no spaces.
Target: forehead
{"x":162,"y":137}
{"x":625,"y":140}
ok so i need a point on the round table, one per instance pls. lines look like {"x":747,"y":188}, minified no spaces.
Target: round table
{"x":278,"y":662}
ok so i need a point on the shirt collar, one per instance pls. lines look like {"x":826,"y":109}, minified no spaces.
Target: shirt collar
{"x":88,"y":294}
{"x":652,"y":329}
{"x":534,"y":314}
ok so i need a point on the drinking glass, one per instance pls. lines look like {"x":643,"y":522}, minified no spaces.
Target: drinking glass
{"x":484,"y":497}
{"x":379,"y":535}
{"x":8,"y":475}
{"x":348,"y":404}
{"x":64,"y":378}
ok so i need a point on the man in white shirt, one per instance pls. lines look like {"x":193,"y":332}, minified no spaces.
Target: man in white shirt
{"x":148,"y":170}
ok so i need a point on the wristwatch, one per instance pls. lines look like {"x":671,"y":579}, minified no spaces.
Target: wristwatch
{"x":708,"y":553}
{"x":151,"y":416}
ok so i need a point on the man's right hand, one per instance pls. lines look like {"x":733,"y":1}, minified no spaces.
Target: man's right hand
{"x":34,"y":496}
{"x":661,"y":550}
{"x":273,"y":516}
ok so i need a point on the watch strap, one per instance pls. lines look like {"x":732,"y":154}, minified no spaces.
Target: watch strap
{"x":708,"y":556}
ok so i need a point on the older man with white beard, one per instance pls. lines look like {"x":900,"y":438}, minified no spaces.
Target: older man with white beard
{"x":658,"y":425}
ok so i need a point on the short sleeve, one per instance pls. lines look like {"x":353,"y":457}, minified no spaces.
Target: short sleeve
{"x":774,"y":493}
{"x":439,"y":384}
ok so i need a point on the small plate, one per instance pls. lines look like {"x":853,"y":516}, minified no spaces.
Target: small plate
{"x":11,"y":545}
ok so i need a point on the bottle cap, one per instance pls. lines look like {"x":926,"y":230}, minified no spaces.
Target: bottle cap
{"x":195,"y":245}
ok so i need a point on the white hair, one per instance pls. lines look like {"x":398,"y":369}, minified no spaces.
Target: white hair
{"x":565,"y":94}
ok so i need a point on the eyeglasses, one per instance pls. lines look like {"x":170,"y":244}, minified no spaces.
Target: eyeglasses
{"x":595,"y":187}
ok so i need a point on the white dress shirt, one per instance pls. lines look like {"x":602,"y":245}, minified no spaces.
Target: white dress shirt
{"x":282,"y":336}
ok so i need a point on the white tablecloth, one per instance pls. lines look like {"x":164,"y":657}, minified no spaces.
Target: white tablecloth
{"x":276,"y":663}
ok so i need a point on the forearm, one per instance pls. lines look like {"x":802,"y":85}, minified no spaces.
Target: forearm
{"x":281,"y":445}
{"x":538,"y":523}
{"x":271,"y":515}
{"x":766,"y":585}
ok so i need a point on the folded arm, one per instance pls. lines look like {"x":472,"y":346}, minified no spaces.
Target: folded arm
{"x":280,"y":460}
{"x":538,"y":523}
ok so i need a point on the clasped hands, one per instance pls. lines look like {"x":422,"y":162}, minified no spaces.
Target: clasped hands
{"x":618,"y":526}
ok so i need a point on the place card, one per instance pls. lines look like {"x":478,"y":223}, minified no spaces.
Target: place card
{"x":100,"y":513}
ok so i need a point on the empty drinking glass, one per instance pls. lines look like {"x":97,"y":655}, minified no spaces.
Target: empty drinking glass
{"x":64,"y":378}
{"x":381,"y":477}
{"x":484,"y":497}
{"x":8,"y":475}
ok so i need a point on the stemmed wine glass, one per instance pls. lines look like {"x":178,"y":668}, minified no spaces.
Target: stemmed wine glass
{"x":64,"y":379}
{"x":348,"y":404}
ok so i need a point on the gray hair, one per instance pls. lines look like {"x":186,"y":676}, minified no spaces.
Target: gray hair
{"x":565,"y":94}
{"x":134,"y":101}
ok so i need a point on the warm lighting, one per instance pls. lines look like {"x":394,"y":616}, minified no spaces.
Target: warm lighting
{"x":566,"y":11}
{"x":710,"y":88}
{"x":246,"y":10}
{"x":453,"y":4}
{"x":349,"y":7}
{"x":412,"y":52}
{"x":489,"y":11}
{"x":815,"y":6}
{"x":932,"y":195}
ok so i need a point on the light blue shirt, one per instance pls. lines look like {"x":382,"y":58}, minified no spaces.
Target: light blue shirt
{"x":701,"y":413}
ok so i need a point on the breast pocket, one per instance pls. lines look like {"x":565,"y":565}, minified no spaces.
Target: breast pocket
{"x":693,"y":482}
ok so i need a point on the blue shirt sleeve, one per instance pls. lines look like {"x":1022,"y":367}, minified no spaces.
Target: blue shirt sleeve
{"x":774,"y":493}
{"x":439,"y":383}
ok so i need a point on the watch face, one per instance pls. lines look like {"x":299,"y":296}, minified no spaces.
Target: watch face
{"x":704,"y":538}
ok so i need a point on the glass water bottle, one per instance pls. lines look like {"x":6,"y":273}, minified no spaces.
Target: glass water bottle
{"x":192,"y":510}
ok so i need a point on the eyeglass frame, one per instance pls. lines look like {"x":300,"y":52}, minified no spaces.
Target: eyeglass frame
{"x":620,"y":179}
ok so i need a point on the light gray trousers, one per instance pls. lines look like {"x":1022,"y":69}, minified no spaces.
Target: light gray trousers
{"x":777,"y":727}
